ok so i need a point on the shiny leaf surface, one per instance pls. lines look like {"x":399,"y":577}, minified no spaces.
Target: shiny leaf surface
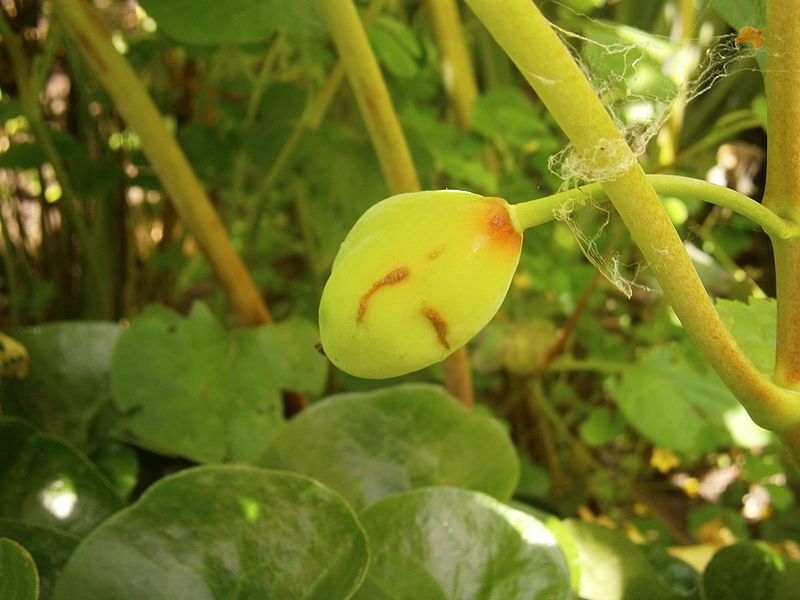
{"x":368,"y":446}
{"x":223,"y":532}
{"x":449,"y":544}
{"x":69,"y":380}
{"x":46,"y":482}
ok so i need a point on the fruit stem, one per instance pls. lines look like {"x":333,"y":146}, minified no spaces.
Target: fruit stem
{"x":542,"y":210}
{"x":180,"y":182}
{"x":549,"y":67}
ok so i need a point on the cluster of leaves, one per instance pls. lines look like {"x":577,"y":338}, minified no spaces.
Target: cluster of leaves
{"x":397,"y":493}
{"x":593,"y":411}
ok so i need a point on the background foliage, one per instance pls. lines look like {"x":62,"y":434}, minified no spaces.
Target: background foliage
{"x":603,"y":458}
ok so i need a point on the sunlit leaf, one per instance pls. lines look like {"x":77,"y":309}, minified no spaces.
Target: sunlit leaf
{"x":450,"y":544}
{"x":223,"y":532}
{"x":46,"y":482}
{"x":612,"y":567}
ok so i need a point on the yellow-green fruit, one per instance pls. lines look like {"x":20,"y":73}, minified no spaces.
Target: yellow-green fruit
{"x":416,"y":278}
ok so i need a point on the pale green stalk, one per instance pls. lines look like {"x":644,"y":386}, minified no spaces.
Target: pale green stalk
{"x":528,"y":38}
{"x":542,"y":210}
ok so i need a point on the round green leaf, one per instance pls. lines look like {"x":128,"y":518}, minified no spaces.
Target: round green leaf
{"x":69,"y":380}
{"x":18,"y":577}
{"x":232,"y":21}
{"x":611,"y":566}
{"x":192,"y":388}
{"x":223,"y":532}
{"x":448,"y":544}
{"x":49,"y":547}
{"x":47,"y":482}
{"x":750,"y":571}
{"x":371,"y":445}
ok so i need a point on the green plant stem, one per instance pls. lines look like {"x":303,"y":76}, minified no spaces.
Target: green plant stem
{"x":387,"y":137}
{"x":528,"y":38}
{"x":782,"y":192}
{"x":28,"y":97}
{"x":371,"y":94}
{"x":542,"y":210}
{"x":180,"y":182}
{"x":457,"y":70}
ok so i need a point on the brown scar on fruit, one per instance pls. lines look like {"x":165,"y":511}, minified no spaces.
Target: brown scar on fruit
{"x":499,"y":228}
{"x":436,"y":253}
{"x":391,"y":278}
{"x":751,"y":35}
{"x":439,"y":324}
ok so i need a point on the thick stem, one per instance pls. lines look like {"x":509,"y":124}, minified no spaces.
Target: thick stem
{"x":528,"y":38}
{"x":180,"y":182}
{"x":542,"y":210}
{"x":457,"y":70}
{"x":783,"y":177}
{"x":371,"y":94}
{"x":387,"y":136}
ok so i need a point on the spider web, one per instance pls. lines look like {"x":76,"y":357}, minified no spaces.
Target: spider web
{"x":642,"y":80}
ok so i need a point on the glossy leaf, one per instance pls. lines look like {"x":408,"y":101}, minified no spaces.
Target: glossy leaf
{"x":47,"y":482}
{"x":450,"y":544}
{"x":195,"y":389}
{"x":368,"y":446}
{"x":49,"y":547}
{"x":19,"y":579}
{"x":232,"y":21}
{"x":612,"y":567}
{"x":223,"y":532}
{"x":69,"y":382}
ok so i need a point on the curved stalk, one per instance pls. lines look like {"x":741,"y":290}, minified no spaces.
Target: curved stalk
{"x":528,"y":38}
{"x":542,"y":210}
{"x":179,"y":180}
